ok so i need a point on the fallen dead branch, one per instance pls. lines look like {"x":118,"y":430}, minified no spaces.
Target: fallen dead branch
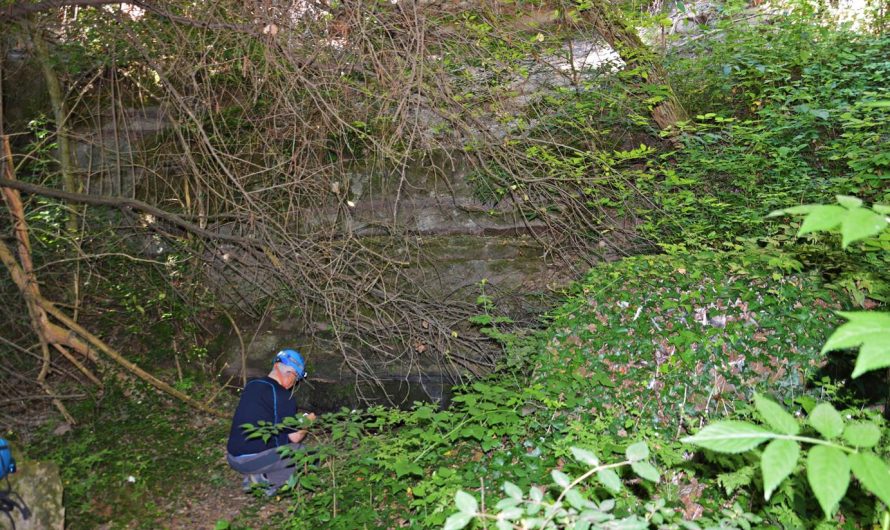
{"x":69,"y":334}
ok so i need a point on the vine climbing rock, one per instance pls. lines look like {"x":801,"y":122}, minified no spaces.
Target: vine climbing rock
{"x":40,"y":487}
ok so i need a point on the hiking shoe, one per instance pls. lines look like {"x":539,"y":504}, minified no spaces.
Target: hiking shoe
{"x":258,"y":480}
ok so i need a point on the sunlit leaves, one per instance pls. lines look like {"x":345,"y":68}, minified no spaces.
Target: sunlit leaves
{"x":777,"y":462}
{"x":873,"y":473}
{"x":561,"y":479}
{"x":512,"y":490}
{"x":465,"y":502}
{"x":729,"y":437}
{"x":609,"y":478}
{"x":828,"y":463}
{"x":855,"y":221}
{"x":775,"y":416}
{"x":825,"y":419}
{"x":828,"y":472}
{"x":636,"y":452}
{"x":862,"y":434}
{"x":871,"y":332}
{"x":645,"y":470}
{"x":584,"y":456}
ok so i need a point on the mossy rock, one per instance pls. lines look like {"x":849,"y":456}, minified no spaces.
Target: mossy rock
{"x":666,"y":340}
{"x":40,"y":487}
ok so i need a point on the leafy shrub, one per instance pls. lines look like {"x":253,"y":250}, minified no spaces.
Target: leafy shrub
{"x":658,"y":341}
{"x":841,"y":447}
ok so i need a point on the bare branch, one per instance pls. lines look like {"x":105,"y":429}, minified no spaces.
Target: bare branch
{"x":123,"y":203}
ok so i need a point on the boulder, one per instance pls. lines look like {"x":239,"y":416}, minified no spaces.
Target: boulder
{"x":40,"y":487}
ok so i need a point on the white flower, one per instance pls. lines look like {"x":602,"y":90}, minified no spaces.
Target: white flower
{"x":131,"y":479}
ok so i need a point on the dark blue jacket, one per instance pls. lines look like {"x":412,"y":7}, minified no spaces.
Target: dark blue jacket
{"x":263,"y":399}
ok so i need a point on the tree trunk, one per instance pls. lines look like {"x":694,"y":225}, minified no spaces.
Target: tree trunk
{"x":60,"y":114}
{"x":609,"y":23}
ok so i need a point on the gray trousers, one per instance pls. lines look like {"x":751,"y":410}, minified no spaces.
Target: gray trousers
{"x":270,"y":463}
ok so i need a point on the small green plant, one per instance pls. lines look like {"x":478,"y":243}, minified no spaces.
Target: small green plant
{"x":571,"y":508}
{"x":839,"y":448}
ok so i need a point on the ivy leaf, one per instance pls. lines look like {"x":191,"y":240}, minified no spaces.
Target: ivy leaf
{"x":586,"y":457}
{"x":827,"y":421}
{"x":860,"y":223}
{"x":821,"y":218}
{"x":777,"y":462}
{"x":457,"y":521}
{"x":828,"y":472}
{"x":645,"y":470}
{"x":636,"y":452}
{"x":562,"y":480}
{"x":873,"y":473}
{"x":862,"y":434}
{"x":729,"y":437}
{"x":776,"y":416}
{"x":466,"y":503}
{"x":868,"y":329}
{"x":609,"y":479}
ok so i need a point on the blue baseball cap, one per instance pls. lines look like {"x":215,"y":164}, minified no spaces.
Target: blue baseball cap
{"x":293,"y":359}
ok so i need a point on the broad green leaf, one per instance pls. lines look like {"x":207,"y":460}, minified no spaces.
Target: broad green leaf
{"x":577,"y":500}
{"x":636,"y":452}
{"x":848,"y":201}
{"x":503,"y":524}
{"x":822,"y":218}
{"x":794,"y":210}
{"x":862,"y":434}
{"x":776,"y":416}
{"x":881,"y":208}
{"x":777,"y":462}
{"x":828,"y":472}
{"x":826,"y":420}
{"x":536,"y":494}
{"x":507,"y":502}
{"x":729,"y":437}
{"x":873,"y":473}
{"x":585,"y":457}
{"x":860,"y":223}
{"x":466,"y":503}
{"x":457,"y":521}
{"x":561,"y":479}
{"x":645,"y":470}
{"x":609,"y":479}
{"x":868,"y":329}
{"x":512,"y":490}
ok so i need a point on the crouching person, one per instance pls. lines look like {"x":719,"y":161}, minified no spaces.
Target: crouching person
{"x":267,"y":399}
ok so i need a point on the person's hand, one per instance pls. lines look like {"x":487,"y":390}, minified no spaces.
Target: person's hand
{"x":297,"y":437}
{"x":310,"y":415}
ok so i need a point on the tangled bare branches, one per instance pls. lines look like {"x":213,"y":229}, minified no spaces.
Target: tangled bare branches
{"x":270,"y":135}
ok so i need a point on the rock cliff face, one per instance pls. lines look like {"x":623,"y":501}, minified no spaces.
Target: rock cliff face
{"x":450,"y":242}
